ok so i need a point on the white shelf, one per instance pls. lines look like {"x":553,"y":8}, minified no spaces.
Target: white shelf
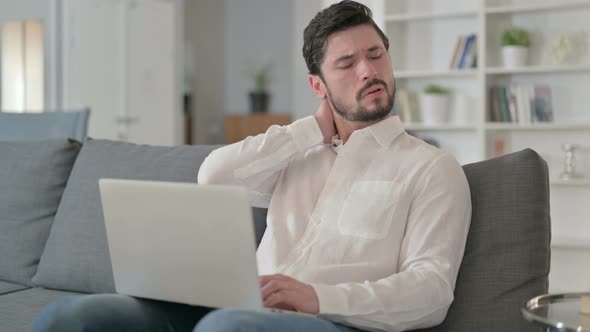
{"x":429,"y":16}
{"x":540,"y":126}
{"x":423,"y":44}
{"x":571,"y":183}
{"x":464,"y":73}
{"x":442,"y":127}
{"x":537,"y":70}
{"x":565,"y":5}
{"x":570,"y":243}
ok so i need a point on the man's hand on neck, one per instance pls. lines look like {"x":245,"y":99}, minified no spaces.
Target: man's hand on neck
{"x":325,"y":118}
{"x":332,"y":123}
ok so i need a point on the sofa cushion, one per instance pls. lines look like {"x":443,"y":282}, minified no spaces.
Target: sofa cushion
{"x":76,"y":256}
{"x":8,"y":287}
{"x":33,"y":176}
{"x":506,"y":259}
{"x":23,"y":306}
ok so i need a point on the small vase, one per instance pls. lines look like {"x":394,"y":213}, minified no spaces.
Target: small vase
{"x":259,"y":102}
{"x":514,"y":56}
{"x":434,"y":108}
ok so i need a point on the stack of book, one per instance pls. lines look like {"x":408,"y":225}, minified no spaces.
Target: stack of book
{"x":520,"y":104}
{"x":465,"y":53}
{"x":406,"y":106}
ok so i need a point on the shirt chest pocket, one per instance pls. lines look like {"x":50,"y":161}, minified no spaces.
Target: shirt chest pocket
{"x":369,"y":209}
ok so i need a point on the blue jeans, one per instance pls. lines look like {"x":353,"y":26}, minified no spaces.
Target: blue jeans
{"x":112,"y":312}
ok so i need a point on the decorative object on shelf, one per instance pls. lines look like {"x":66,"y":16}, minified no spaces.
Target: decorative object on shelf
{"x":499,"y":147}
{"x":568,"y":48}
{"x":434,"y":105}
{"x":515,"y":47}
{"x":260,"y":97}
{"x":569,"y":166}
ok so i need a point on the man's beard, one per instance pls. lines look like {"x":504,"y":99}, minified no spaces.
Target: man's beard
{"x":362,"y":114}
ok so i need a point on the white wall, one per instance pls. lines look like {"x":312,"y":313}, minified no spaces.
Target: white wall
{"x":205,"y":34}
{"x":258,"y":31}
{"x":43,"y":10}
{"x":304,"y":101}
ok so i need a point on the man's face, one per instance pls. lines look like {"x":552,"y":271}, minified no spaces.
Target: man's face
{"x":357,"y":74}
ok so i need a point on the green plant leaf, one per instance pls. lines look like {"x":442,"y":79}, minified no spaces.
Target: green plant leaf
{"x":436,"y":89}
{"x":515,"y":37}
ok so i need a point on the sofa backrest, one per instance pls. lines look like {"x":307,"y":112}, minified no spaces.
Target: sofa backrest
{"x":42,"y":126}
{"x":507,"y":255}
{"x":33,"y":176}
{"x":76,"y":256}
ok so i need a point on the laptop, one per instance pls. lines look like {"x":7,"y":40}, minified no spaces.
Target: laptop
{"x":182,"y":242}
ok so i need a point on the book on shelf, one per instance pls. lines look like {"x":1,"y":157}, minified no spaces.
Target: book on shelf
{"x":543,"y":109}
{"x":494,"y":113}
{"x":458,"y":45}
{"x":522,"y":104}
{"x":504,"y":105}
{"x":465,"y":52}
{"x":511,"y":95}
{"x":406,"y":106}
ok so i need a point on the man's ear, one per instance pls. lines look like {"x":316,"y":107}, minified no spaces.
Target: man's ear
{"x":317,"y":85}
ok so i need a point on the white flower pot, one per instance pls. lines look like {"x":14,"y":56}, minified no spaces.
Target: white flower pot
{"x":434,"y":108}
{"x":514,"y":56}
{"x":461,"y":109}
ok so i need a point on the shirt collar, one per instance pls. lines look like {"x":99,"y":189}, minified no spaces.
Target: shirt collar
{"x":384,"y":132}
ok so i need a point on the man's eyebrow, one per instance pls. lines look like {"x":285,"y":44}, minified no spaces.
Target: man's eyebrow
{"x":344,"y":57}
{"x":373,"y":48}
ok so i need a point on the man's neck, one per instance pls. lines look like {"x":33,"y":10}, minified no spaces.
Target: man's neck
{"x":346,"y":128}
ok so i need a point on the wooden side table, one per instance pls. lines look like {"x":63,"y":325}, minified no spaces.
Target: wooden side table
{"x":240,"y":126}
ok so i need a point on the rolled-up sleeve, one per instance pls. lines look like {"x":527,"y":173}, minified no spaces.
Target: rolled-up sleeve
{"x":257,"y":161}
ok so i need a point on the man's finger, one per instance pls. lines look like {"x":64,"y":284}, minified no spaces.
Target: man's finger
{"x":273,"y":286}
{"x":284,"y":299}
{"x":266,"y":278}
{"x":275,"y":299}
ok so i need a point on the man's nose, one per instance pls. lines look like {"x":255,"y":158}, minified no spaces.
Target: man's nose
{"x":367,"y":70}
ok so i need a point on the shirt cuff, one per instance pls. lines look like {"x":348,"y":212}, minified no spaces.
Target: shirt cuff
{"x":306,"y":133}
{"x":332,"y":300}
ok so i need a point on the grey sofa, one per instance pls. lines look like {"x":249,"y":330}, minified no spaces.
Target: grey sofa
{"x":45,"y":125}
{"x":52,"y":237}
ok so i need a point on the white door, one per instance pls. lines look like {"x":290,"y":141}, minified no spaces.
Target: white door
{"x":120,"y":58}
{"x":153,"y":84}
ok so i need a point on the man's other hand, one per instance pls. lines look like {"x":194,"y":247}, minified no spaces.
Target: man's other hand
{"x":282,"y":292}
{"x":325,"y":118}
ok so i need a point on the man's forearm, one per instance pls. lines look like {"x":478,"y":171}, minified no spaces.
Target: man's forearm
{"x":256,"y":162}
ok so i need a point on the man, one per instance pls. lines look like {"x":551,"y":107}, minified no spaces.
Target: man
{"x":366,"y":224}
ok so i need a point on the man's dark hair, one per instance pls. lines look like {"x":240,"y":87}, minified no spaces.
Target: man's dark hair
{"x":340,"y":16}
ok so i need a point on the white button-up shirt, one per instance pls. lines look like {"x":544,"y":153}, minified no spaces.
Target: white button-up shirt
{"x":377,"y":226}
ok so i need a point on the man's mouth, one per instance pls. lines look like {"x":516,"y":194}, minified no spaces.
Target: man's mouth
{"x":374,"y":90}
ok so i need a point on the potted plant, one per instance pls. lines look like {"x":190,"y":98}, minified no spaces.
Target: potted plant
{"x":259,"y":97}
{"x":434,"y":104}
{"x":515,"y":45}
